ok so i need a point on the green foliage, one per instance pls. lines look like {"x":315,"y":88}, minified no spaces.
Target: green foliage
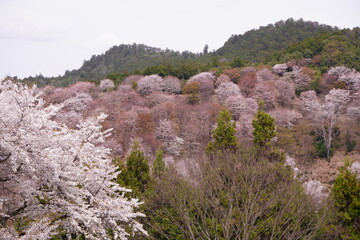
{"x":134,"y":85}
{"x":182,"y":70}
{"x":118,"y":77}
{"x":258,"y":44}
{"x":20,"y":224}
{"x":117,"y":62}
{"x":43,"y":200}
{"x":264,"y":128}
{"x":206,"y":49}
{"x":136,"y":174}
{"x":224,"y":134}
{"x":193,"y":91}
{"x":242,"y":197}
{"x":320,"y":146}
{"x":349,"y":143}
{"x":327,"y":49}
{"x":346,"y":191}
{"x":159,"y":164}
{"x":238,"y":62}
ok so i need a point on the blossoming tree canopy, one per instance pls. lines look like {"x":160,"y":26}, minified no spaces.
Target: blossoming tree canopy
{"x":57,"y":177}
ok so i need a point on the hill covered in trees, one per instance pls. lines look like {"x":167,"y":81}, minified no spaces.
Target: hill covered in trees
{"x":251,"y":153}
{"x":211,"y":147}
{"x":326,"y":50}
{"x":270,"y":44}
{"x":258,"y":44}
{"x":118,"y":59}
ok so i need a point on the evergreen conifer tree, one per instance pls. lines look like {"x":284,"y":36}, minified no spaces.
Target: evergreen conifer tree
{"x":264,"y":128}
{"x":346,"y":193}
{"x":159,"y":164}
{"x":136,"y":174}
{"x":224,"y":134}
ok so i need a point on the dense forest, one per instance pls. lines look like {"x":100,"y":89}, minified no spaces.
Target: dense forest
{"x":272,"y":44}
{"x":257,"y":140}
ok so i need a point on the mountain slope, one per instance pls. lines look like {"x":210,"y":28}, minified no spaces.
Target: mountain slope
{"x":258,"y":44}
{"x":326,"y":50}
{"x":118,"y":59}
{"x":253,"y":46}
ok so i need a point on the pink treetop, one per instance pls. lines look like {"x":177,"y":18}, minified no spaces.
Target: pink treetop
{"x":266,"y":92}
{"x":285,"y":117}
{"x":226,"y":90}
{"x":171,"y":85}
{"x":265,"y":74}
{"x":286,"y":92}
{"x":106,"y":84}
{"x":170,"y":142}
{"x":310,"y":101}
{"x":150,"y":84}
{"x":351,"y":77}
{"x":238,"y":105}
{"x":203,"y":76}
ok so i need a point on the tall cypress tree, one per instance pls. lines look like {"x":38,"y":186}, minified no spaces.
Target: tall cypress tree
{"x":224,"y":134}
{"x":264,"y":128}
{"x":136,"y":174}
{"x":159,"y":164}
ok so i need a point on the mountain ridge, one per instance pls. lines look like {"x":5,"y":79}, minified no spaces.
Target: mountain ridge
{"x":253,"y":47}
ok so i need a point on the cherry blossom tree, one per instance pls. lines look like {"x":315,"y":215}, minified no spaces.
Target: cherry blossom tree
{"x":73,"y":109}
{"x":280,"y":69}
{"x":266,"y":92}
{"x":238,"y":105}
{"x":286,"y":92}
{"x":206,"y":82}
{"x":131,"y":79}
{"x":58,"y":95}
{"x":233,"y":74}
{"x":285,"y":117}
{"x":60,"y":178}
{"x":350,"y":77}
{"x":150,"y":84}
{"x":222,"y":78}
{"x":166,"y":134}
{"x":203,"y":76}
{"x":265,"y":74}
{"x":354,"y":113}
{"x":327,"y":113}
{"x":309,"y":100}
{"x":171,"y":85}
{"x":226,"y":90}
{"x":247,"y":83}
{"x":158,"y":98}
{"x":297,"y":76}
{"x":106,"y":84}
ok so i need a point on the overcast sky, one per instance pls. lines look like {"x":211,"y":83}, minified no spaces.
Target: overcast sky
{"x":51,"y":36}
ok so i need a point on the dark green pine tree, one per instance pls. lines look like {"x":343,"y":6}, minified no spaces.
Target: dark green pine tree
{"x":224,"y":134}
{"x":264,"y":128}
{"x":136,"y":174}
{"x":159,"y":164}
{"x":346,"y":192}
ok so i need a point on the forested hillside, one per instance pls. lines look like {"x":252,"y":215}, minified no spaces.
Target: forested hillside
{"x":253,"y":47}
{"x":188,"y":146}
{"x":326,"y":50}
{"x":118,"y":59}
{"x":258,"y":44}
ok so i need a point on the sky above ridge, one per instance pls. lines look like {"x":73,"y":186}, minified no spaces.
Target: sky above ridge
{"x":52,"y":36}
